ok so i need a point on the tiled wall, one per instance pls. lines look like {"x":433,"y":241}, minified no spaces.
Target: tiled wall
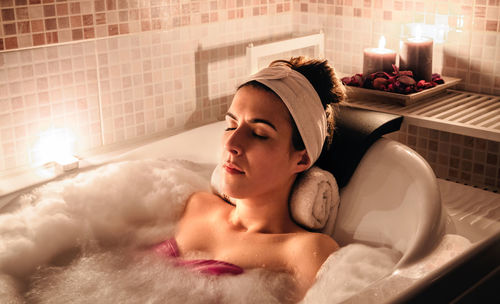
{"x":463,"y":159}
{"x":117,"y":70}
{"x":44,"y":88}
{"x":466,"y":33}
{"x":28,"y":23}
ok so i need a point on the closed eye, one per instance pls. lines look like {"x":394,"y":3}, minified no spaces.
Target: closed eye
{"x":253,"y":133}
{"x":260,"y":136}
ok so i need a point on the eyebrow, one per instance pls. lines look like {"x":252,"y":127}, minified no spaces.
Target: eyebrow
{"x":254,"y":120}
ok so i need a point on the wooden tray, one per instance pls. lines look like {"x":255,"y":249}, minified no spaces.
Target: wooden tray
{"x":408,"y":99}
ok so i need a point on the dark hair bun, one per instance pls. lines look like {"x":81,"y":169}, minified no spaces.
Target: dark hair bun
{"x":320,"y":74}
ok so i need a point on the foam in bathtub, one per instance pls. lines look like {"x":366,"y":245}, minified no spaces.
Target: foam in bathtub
{"x":126,"y":206}
{"x":125,"y":277}
{"x":113,"y":204}
{"x":349,"y":270}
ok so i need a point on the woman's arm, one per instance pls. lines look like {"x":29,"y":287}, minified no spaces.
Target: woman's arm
{"x":308,"y":253}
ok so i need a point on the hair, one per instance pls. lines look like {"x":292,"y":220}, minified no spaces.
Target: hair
{"x":323,"y":79}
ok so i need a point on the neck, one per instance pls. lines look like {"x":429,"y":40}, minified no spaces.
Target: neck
{"x":267,"y":213}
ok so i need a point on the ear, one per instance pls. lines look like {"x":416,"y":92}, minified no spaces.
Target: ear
{"x":303,"y":161}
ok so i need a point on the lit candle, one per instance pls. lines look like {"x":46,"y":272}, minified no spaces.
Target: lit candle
{"x":378,"y":59}
{"x":416,"y":56}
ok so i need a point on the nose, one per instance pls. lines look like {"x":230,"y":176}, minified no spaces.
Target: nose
{"x":233,"y":142}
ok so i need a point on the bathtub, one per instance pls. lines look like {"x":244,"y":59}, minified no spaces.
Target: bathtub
{"x":440,"y":228}
{"x":428,"y":220}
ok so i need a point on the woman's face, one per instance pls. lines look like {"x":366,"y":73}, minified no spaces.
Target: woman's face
{"x":258,"y":156}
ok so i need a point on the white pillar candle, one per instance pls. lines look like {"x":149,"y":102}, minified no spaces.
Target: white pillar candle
{"x":416,"y":56}
{"x":378,"y":59}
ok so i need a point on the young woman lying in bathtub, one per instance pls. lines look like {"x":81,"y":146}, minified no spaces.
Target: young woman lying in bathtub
{"x":276,"y":127}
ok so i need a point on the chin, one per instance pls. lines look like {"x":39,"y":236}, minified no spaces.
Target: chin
{"x":236,"y":190}
{"x":233,"y":192}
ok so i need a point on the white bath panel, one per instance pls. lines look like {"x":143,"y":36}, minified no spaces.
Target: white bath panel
{"x":473,"y":213}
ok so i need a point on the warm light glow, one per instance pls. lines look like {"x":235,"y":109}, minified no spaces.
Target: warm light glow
{"x":381,"y":43}
{"x":418,"y":32}
{"x":381,"y":47}
{"x":418,"y":35}
{"x":380,"y":51}
{"x":54,"y":145}
{"x":460,"y":23}
{"x":418,"y":39}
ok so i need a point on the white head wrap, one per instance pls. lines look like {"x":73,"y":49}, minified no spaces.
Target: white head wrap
{"x":302,"y":101}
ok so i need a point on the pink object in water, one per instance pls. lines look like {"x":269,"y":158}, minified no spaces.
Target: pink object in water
{"x":169,"y":248}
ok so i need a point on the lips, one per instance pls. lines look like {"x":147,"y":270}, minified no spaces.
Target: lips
{"x":232,"y":168}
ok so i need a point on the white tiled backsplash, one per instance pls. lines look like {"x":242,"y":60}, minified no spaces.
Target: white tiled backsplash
{"x":107,"y":91}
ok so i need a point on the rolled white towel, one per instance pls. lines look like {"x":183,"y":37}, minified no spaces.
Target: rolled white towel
{"x":314,"y":201}
{"x":315,"y":198}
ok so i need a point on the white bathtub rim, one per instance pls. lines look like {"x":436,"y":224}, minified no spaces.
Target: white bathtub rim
{"x":21,"y":179}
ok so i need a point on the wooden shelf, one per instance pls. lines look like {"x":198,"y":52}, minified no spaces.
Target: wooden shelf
{"x":470,"y":114}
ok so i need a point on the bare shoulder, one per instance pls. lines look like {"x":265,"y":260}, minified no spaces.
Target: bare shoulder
{"x":314,"y":246}
{"x":200,"y":197}
{"x":308,"y":251}
{"x":201,"y":203}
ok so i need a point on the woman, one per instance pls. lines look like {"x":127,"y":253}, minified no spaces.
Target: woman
{"x":276,"y":127}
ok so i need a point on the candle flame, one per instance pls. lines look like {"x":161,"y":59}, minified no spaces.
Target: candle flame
{"x":418,"y":31}
{"x":381,"y":43}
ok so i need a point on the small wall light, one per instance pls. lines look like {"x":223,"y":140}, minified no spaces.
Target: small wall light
{"x":56,"y":146}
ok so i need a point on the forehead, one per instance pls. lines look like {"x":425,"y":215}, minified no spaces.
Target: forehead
{"x":260,"y":103}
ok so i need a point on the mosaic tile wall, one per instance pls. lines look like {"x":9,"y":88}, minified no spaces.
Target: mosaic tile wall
{"x":43,"y":89}
{"x":122,"y":70}
{"x":466,"y":33}
{"x":455,"y":157}
{"x":26,"y":23}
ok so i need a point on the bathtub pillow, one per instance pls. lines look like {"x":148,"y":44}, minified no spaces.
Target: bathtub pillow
{"x":314,"y":201}
{"x":355,"y":131}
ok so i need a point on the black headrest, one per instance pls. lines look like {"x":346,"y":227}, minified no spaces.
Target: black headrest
{"x":355,"y":131}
